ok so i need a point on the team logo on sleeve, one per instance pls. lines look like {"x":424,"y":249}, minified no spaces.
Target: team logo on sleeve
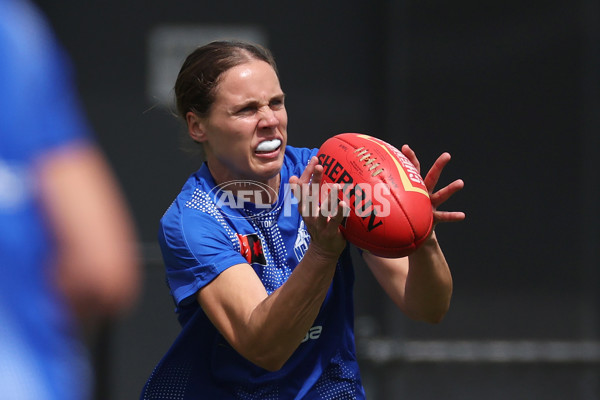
{"x":251,"y":249}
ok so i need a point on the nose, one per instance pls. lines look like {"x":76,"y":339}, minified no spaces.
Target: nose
{"x":268,"y":118}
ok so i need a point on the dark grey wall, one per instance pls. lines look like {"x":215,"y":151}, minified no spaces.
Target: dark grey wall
{"x":509,"y":88}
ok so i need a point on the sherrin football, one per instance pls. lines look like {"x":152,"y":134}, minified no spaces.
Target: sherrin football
{"x":390,"y":210}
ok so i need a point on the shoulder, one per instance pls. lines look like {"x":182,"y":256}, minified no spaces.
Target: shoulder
{"x":297,"y":158}
{"x":194,"y":214}
{"x":193,"y":200}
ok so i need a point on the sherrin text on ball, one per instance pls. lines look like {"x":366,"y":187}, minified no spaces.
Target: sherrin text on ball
{"x":390,"y":210}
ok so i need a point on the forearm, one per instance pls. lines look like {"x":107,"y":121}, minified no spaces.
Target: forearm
{"x":428,"y":284}
{"x":98,"y":267}
{"x":267,"y":329}
{"x":284,"y":318}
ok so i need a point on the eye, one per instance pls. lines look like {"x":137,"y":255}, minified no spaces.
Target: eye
{"x":277,"y":103}
{"x":249,"y":109}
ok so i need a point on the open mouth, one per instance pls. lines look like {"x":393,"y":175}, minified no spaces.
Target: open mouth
{"x":268,"y":146}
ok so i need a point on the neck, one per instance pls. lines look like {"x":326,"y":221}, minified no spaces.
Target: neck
{"x":252,"y":190}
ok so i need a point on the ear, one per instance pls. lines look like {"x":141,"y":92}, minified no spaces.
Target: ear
{"x":195,"y":126}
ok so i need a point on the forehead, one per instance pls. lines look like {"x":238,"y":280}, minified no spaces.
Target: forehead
{"x":254,"y":79}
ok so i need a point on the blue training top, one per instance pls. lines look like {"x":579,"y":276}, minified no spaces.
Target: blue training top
{"x":203,"y":233}
{"x":40,"y":357}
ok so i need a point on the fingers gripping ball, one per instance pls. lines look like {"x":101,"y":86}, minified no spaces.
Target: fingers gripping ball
{"x":390,"y":213}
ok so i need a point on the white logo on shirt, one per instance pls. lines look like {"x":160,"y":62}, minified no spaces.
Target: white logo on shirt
{"x":313,"y":333}
{"x":302,"y":241}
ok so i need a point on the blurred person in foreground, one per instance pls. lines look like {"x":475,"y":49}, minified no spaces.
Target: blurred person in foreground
{"x":67,"y":241}
{"x":264,"y":292}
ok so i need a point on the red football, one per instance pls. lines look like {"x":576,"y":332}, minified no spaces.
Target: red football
{"x":390,"y":210}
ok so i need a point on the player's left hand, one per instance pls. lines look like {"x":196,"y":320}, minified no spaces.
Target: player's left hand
{"x":322,"y":218}
{"x":443,"y":194}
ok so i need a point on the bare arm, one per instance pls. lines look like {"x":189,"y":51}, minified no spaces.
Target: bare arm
{"x":268,"y":329}
{"x":421,"y":284}
{"x":97,"y":259}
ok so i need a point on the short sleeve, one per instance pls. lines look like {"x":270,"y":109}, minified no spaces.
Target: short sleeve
{"x":196,"y":248}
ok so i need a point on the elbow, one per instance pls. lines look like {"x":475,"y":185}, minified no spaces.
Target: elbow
{"x":436,"y":315}
{"x":118,"y":287}
{"x":432,"y":313}
{"x":271,"y":366}
{"x":267,"y":356}
{"x":432,"y":308}
{"x":108,"y":288}
{"x":271,"y":363}
{"x":435,"y":318}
